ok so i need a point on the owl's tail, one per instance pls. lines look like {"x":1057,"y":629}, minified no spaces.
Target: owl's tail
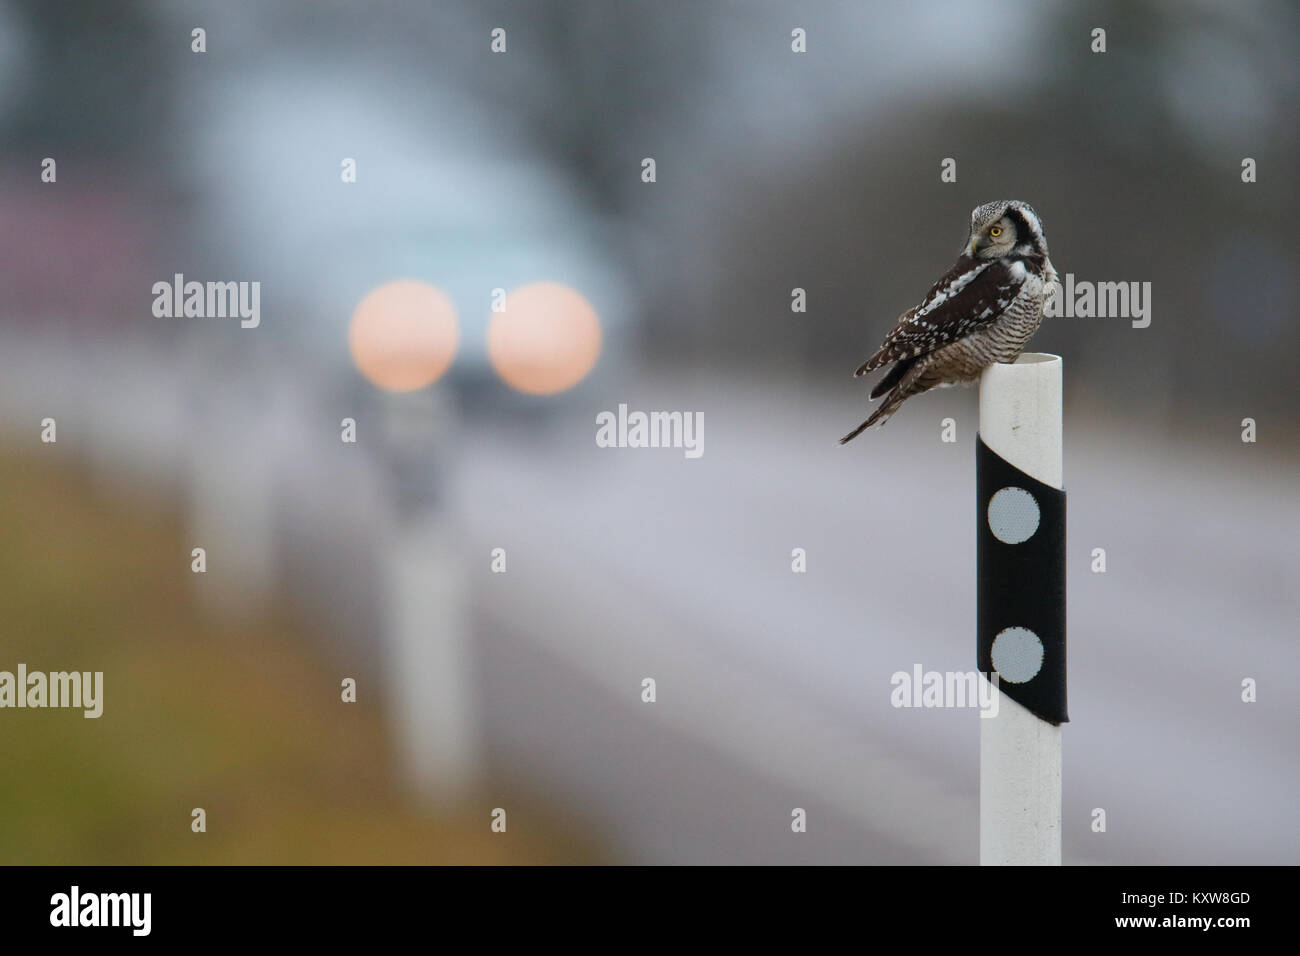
{"x":881,"y":414}
{"x":900,"y":385}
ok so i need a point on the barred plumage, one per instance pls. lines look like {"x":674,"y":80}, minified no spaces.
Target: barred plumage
{"x":983,"y":310}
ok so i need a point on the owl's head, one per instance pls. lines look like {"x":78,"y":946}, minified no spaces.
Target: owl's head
{"x":1004,"y":228}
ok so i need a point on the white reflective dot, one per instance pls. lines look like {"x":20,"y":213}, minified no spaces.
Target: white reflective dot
{"x":1017,"y":654}
{"x":1013,"y":515}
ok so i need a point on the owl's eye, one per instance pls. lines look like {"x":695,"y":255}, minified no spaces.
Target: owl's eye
{"x":995,"y":231}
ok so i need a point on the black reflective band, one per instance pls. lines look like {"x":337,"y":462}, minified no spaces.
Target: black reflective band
{"x":1021,"y":584}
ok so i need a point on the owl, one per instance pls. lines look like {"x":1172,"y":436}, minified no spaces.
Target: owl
{"x":984,"y":310}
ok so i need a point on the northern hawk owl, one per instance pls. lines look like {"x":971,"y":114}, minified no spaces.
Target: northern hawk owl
{"x":984,"y":310}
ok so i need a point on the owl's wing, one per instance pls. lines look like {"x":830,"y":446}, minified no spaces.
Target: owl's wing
{"x":969,"y":296}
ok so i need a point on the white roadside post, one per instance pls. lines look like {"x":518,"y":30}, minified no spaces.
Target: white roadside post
{"x":1020,"y":751}
{"x":430,"y":664}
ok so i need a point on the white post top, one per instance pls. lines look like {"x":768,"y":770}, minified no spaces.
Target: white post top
{"x":1020,"y":414}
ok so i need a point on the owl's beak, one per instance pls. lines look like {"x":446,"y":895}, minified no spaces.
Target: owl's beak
{"x":974,"y":246}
